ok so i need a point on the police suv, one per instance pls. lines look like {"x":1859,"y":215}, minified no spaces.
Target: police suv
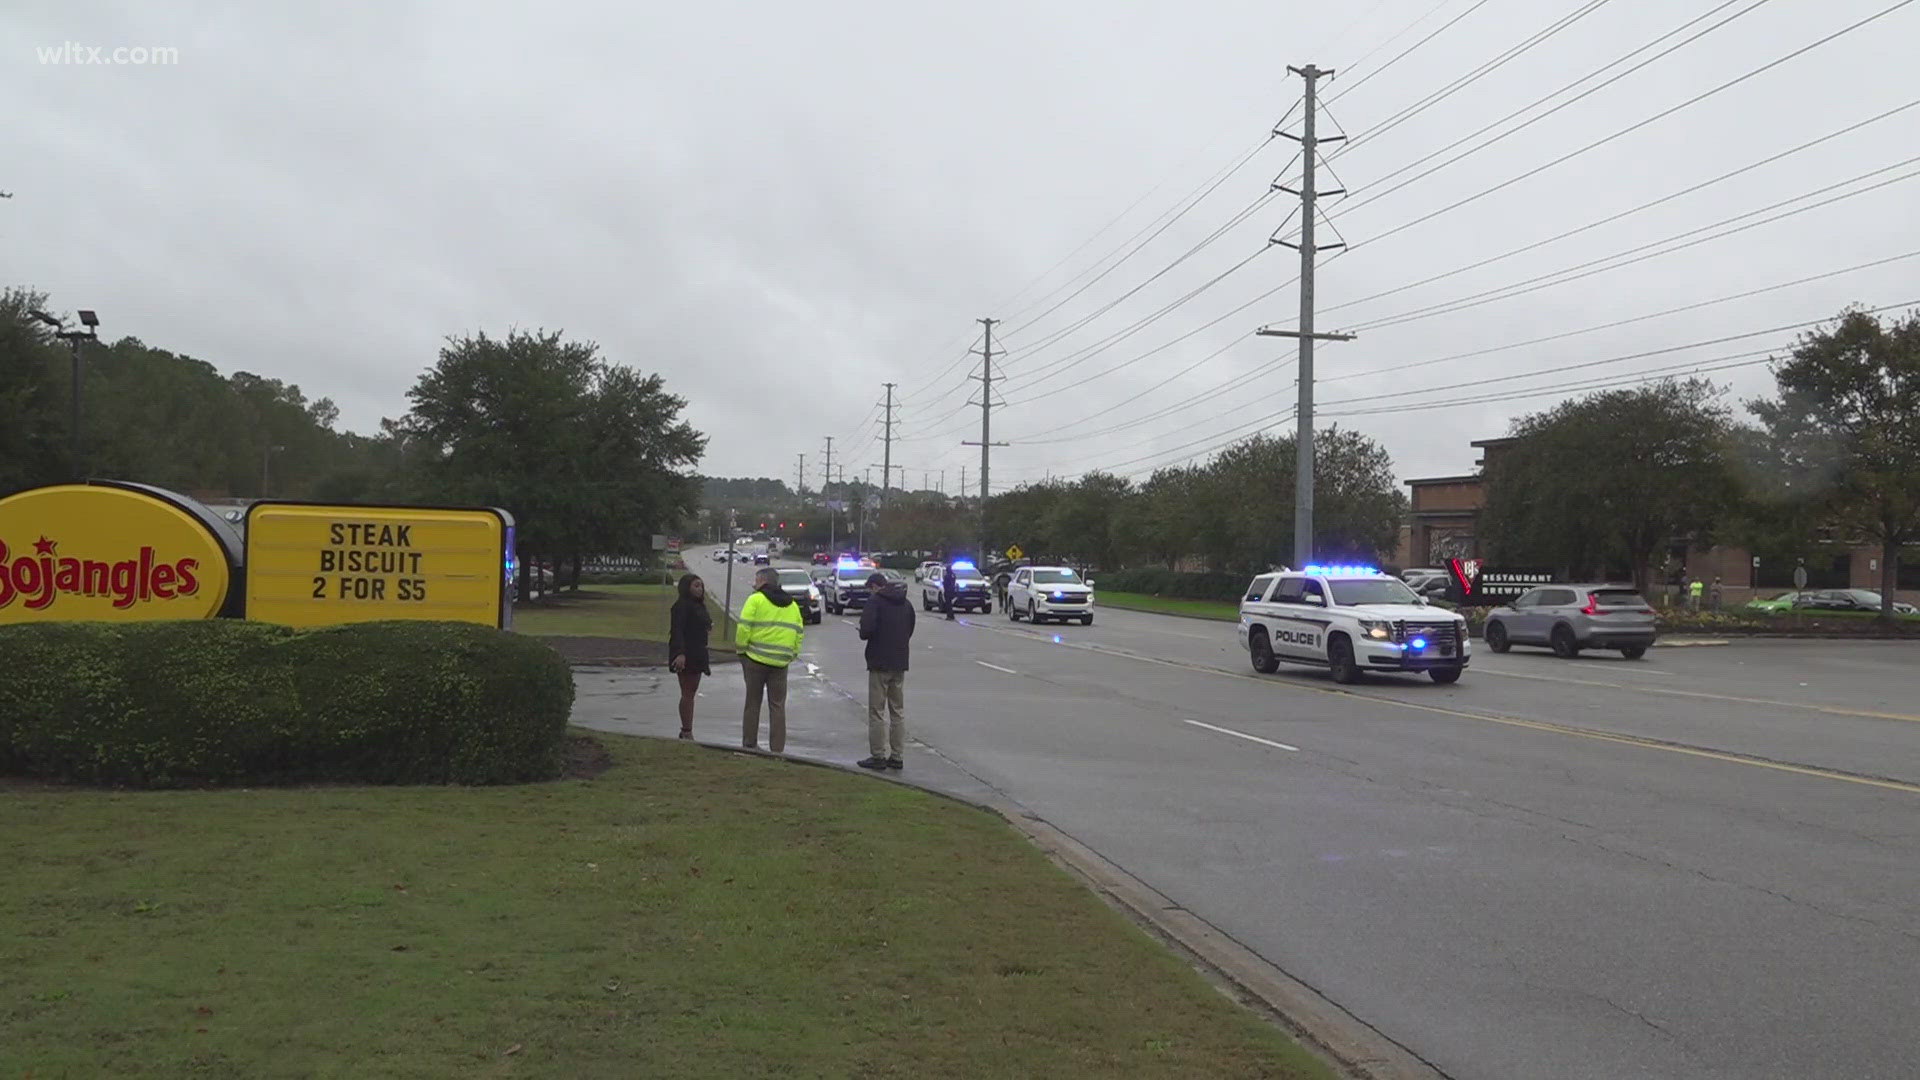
{"x":1351,"y":619}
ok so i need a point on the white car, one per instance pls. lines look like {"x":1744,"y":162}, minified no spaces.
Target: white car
{"x":1039,"y":593}
{"x":1350,"y":619}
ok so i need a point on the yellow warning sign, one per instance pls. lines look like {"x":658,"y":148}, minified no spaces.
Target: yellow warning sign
{"x":1014,"y":553}
{"x":313,"y":565}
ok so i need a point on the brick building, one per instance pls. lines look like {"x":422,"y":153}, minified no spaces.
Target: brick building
{"x":1444,"y":523}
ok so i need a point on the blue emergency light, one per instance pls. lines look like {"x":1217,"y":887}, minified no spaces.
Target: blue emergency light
{"x":1418,"y":643}
{"x":962,"y":565}
{"x":1342,"y":570}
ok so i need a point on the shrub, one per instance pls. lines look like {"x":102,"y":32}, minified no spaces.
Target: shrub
{"x":226,"y":701}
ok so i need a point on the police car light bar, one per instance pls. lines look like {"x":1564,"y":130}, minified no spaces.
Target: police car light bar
{"x":1342,"y":570}
{"x":962,"y":564}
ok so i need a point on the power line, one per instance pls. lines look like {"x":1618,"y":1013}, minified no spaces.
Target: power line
{"x":1059,"y":367}
{"x":1592,"y":266}
{"x":1504,"y":184}
{"x":1368,"y":77}
{"x":1635,"y":319}
{"x":1207,"y":189}
{"x":1633,"y":210}
{"x":1239,"y":218}
{"x":1481,"y":72}
{"x":1397,"y":35}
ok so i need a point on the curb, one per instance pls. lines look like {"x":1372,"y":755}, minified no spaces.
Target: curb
{"x":1354,"y":1047}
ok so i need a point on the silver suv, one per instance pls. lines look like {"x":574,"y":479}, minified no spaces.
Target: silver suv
{"x":1568,"y":618}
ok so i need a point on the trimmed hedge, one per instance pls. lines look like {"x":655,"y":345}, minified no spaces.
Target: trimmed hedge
{"x":1180,"y":585}
{"x":227,"y":701}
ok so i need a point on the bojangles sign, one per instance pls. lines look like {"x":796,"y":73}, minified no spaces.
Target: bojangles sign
{"x":109,"y":552}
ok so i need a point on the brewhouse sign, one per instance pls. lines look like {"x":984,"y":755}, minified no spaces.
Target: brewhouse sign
{"x":315,"y":565}
{"x":1474,"y":583}
{"x":110,"y":552}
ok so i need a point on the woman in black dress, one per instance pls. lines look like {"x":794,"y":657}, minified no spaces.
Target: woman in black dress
{"x":689,"y":625}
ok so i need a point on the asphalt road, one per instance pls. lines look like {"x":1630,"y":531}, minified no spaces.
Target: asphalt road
{"x":1702,"y":864}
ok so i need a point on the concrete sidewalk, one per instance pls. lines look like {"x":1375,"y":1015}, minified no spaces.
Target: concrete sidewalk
{"x":824,"y":725}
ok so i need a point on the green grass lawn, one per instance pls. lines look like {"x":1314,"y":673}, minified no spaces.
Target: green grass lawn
{"x":614,"y":611}
{"x":1167,"y":605}
{"x":686,"y":913}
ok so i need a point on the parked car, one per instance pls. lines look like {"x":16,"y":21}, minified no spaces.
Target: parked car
{"x":1569,"y":618}
{"x":1846,"y":600}
{"x":1782,"y":602}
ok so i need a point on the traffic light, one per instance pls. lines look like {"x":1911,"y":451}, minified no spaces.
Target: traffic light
{"x":803,"y":524}
{"x":783,"y":524}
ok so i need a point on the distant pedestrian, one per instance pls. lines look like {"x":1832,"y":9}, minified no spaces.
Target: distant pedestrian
{"x":949,"y":588}
{"x":768,"y":636}
{"x":887,"y":627}
{"x":1715,"y":595}
{"x":688,"y":625}
{"x":1694,"y":588}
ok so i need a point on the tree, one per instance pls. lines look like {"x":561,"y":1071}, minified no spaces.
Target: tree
{"x":1608,"y":479}
{"x":1843,"y":431}
{"x":588,"y":457}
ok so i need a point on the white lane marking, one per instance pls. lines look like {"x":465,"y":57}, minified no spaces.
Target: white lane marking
{"x":1244,"y":735}
{"x":996,"y":667}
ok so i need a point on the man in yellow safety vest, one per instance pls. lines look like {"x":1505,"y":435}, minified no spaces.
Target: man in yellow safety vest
{"x":1694,"y":589}
{"x":768,"y":638}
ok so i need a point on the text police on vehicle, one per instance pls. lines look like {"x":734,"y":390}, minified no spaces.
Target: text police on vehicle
{"x":1350,"y":619}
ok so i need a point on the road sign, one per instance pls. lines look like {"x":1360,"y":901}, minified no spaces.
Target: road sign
{"x":1800,"y":576}
{"x":313,"y":565}
{"x":1014,"y":554}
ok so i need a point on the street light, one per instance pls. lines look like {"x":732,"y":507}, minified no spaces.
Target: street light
{"x":73,"y":338}
{"x":266,"y":457}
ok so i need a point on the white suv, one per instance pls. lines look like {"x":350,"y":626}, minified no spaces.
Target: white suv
{"x":1350,"y":619}
{"x":1049,"y":592}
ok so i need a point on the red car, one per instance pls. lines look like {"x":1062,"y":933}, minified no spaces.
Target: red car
{"x":820,"y":559}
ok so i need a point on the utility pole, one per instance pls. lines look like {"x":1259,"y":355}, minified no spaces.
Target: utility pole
{"x":866,"y":490}
{"x":801,"y":475}
{"x":886,"y":457}
{"x":1303,"y":430}
{"x":826,"y":497}
{"x":963,"y":481}
{"x":986,"y":443}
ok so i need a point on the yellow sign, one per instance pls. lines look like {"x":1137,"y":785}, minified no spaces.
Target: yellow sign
{"x":1014,"y":554}
{"x":310,"y":565}
{"x":108,"y":553}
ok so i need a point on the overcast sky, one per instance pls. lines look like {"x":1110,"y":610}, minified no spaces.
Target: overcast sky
{"x":780,"y":206}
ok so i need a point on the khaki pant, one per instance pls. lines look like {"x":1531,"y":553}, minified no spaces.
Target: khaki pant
{"x":773,"y":682}
{"x":886,"y":695}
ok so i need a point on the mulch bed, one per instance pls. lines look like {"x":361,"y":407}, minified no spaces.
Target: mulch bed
{"x":586,"y":758}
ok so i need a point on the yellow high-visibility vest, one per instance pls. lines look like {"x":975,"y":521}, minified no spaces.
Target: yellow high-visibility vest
{"x":768,"y":634}
{"x":1698,"y":587}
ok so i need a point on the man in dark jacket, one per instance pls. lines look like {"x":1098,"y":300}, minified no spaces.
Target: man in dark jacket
{"x":949,"y":588}
{"x":886,"y":625}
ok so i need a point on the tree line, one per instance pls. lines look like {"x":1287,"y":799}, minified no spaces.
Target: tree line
{"x":1609,"y":480}
{"x":590,"y":456}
